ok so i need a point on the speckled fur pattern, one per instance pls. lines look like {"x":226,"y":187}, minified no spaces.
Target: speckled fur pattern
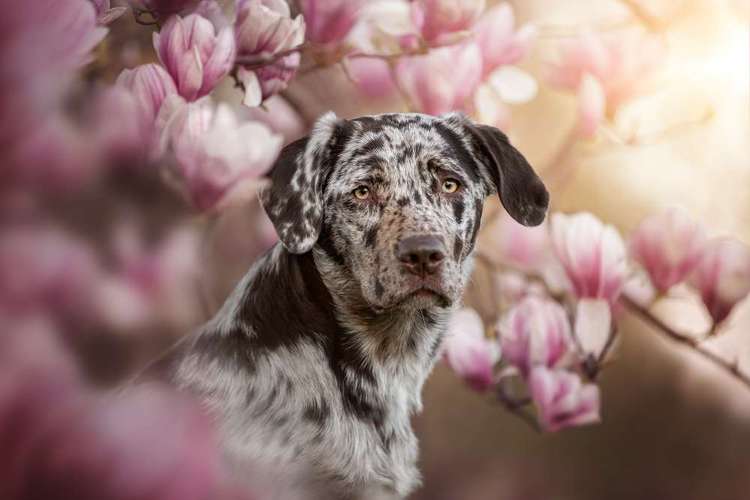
{"x":315,"y":364}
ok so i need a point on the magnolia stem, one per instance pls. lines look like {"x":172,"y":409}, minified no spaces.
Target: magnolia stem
{"x":517,"y":407}
{"x":729,"y":367}
{"x":254,"y":62}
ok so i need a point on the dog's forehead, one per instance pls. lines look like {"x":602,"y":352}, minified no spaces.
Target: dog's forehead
{"x":397,"y":145}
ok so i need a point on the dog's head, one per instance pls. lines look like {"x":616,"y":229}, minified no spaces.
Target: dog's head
{"x":395,"y":200}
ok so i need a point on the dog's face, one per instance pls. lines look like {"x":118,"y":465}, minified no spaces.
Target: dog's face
{"x":395,"y":201}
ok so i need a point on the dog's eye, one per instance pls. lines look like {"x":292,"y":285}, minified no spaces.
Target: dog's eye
{"x":361,"y":193}
{"x":451,"y":185}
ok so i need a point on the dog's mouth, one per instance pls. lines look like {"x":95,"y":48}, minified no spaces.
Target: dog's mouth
{"x":423,"y":297}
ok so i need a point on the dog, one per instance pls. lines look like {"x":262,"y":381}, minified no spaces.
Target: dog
{"x":315,"y":363}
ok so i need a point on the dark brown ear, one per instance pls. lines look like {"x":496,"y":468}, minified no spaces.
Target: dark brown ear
{"x":294,"y":199}
{"x":521,"y":191}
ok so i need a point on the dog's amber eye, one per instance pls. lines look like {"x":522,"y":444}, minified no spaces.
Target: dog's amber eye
{"x":362,"y":193}
{"x":451,"y":185}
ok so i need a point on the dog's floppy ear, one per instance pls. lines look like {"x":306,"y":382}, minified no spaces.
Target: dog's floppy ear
{"x":294,"y":199}
{"x":521,"y":191}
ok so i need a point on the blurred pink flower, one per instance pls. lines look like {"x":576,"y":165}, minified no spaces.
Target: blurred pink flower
{"x":38,"y":385}
{"x":263,"y":30}
{"x":372,"y":76}
{"x":467,"y":351}
{"x":534,"y":332}
{"x":280,"y":117}
{"x":105,"y":13}
{"x":592,"y":254}
{"x":442,"y":22}
{"x":218,"y":160}
{"x":562,"y":399}
{"x":194,"y":54}
{"x":146,"y":444}
{"x":152,"y":286}
{"x":45,"y":270}
{"x":125,"y":139}
{"x":669,"y":245}
{"x":518,"y":245}
{"x":498,"y":42}
{"x":44,"y":42}
{"x":442,"y":80}
{"x":723,"y":276}
{"x":150,"y":84}
{"x":605,"y":72}
{"x":329,"y":21}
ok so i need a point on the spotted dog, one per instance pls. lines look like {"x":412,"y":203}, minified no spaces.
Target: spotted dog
{"x":314,"y":365}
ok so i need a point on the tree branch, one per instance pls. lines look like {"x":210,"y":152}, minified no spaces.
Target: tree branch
{"x":729,"y":367}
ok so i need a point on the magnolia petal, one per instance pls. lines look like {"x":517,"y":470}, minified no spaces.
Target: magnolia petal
{"x":592,"y":104}
{"x":513,"y":85}
{"x":253,"y":92}
{"x":593,"y":324}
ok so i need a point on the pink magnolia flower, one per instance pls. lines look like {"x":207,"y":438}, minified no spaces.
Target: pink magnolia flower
{"x":218,"y":160}
{"x":150,"y":84}
{"x":534,"y":332}
{"x":498,"y":42}
{"x":562,"y":399}
{"x":441,"y":22}
{"x":263,"y":30}
{"x":592,"y":326}
{"x":329,"y":21}
{"x":105,"y":13}
{"x":442,"y":80}
{"x":195,"y":55}
{"x":467,"y":351}
{"x":146,"y":444}
{"x":605,"y":72}
{"x":592,"y":254}
{"x":669,"y":245}
{"x":372,"y":76}
{"x":723,"y":276}
{"x":124,"y":140}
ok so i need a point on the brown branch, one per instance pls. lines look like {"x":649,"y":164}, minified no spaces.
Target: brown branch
{"x":253,"y":62}
{"x":729,"y":367}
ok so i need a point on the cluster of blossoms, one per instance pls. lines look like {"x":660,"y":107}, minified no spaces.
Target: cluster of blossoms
{"x":564,"y":287}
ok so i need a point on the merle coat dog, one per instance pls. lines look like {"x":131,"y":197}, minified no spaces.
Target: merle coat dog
{"x":315,"y":364}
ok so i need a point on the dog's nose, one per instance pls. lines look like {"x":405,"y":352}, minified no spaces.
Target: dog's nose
{"x":421,"y":254}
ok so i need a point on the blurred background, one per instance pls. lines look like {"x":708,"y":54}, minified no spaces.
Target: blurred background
{"x":109,"y":254}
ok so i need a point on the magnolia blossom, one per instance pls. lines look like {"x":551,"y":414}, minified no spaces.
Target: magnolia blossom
{"x":669,"y":245}
{"x":329,"y":21}
{"x":442,"y":80}
{"x":124,"y":140}
{"x":195,"y":55}
{"x":723,"y":276}
{"x":498,"y":42}
{"x":218,"y":160}
{"x":592,"y":254}
{"x":105,"y":13}
{"x":150,"y":84}
{"x":604,"y":72}
{"x":534,"y":332}
{"x":263,"y":30}
{"x":592,"y":327}
{"x":467,"y":351}
{"x":562,"y":399}
{"x":442,"y":22}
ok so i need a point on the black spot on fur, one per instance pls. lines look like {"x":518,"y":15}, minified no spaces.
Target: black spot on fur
{"x":378,"y":288}
{"x":458,"y":210}
{"x":371,"y":236}
{"x":458,"y":247}
{"x":317,"y":412}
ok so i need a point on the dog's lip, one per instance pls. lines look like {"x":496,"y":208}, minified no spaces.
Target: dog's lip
{"x":422,"y":290}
